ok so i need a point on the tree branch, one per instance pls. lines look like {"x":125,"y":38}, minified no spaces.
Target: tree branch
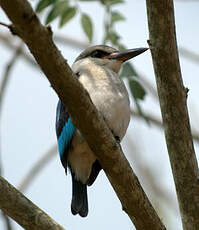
{"x":5,"y":38}
{"x":71,"y":42}
{"x":4,"y":24}
{"x":158,"y":123}
{"x":6,"y":75}
{"x":39,"y":40}
{"x":172,"y":95}
{"x":191,"y":55}
{"x":39,"y":165}
{"x":157,"y":193}
{"x":7,"y":221}
{"x":36,"y":168}
{"x":27,"y":214}
{"x":3,"y":86}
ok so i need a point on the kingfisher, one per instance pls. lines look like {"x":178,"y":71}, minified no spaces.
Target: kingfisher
{"x":97,"y":68}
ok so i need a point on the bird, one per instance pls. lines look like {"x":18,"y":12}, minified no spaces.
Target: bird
{"x":97,"y":68}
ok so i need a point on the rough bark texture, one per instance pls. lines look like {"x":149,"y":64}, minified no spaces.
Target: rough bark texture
{"x":173,"y":96}
{"x":27,"y":214}
{"x":124,"y":181}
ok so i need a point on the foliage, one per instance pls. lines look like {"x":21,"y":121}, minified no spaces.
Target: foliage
{"x":87,"y":26}
{"x":66,"y":10}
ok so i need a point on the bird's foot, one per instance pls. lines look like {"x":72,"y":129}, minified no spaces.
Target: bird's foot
{"x":117,"y":138}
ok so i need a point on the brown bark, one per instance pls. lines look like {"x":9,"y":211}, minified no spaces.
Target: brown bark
{"x":27,"y":214}
{"x":173,"y":96}
{"x":39,"y":40}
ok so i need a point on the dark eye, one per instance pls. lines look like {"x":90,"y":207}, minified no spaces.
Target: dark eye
{"x":98,"y":54}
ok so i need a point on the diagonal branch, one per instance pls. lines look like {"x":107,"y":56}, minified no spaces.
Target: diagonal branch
{"x":6,"y":75}
{"x":27,"y":214}
{"x":158,"y":123}
{"x":5,"y":38}
{"x":39,"y":165}
{"x":71,"y":42}
{"x":39,"y":40}
{"x":173,"y":95}
{"x":7,"y":221}
{"x":189,"y":54}
{"x":157,"y":193}
{"x":4,"y":83}
{"x":36,"y":168}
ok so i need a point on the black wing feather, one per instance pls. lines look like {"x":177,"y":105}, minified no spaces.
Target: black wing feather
{"x":62,"y":119}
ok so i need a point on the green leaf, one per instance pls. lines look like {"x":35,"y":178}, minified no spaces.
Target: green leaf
{"x":67,"y":15}
{"x":141,"y":112}
{"x":128,"y":71}
{"x":43,"y":4}
{"x":87,"y":26}
{"x":57,"y":10}
{"x":138,"y":93}
{"x":121,"y":47}
{"x":113,"y":2}
{"x":88,"y":0}
{"x":137,"y":90}
{"x":113,"y":37}
{"x":116,"y":16}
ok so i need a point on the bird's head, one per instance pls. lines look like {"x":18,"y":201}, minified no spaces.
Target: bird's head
{"x":107,"y":56}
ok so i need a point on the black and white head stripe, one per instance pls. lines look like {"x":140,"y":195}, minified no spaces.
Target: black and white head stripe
{"x":96,"y":52}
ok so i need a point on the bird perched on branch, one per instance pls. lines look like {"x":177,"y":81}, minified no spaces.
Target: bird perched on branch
{"x":97,"y":69}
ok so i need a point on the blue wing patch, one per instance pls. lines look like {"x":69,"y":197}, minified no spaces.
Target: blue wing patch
{"x":65,"y":131}
{"x":65,"y":137}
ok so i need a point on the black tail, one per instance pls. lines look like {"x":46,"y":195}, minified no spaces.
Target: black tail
{"x":79,"y":204}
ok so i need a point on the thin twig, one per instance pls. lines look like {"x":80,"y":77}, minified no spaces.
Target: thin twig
{"x":46,"y":157}
{"x":3,"y":86}
{"x":36,"y":168}
{"x":158,"y":123}
{"x":192,"y":56}
{"x":7,"y":221}
{"x":7,"y":40}
{"x":4,"y":24}
{"x":147,"y":84}
{"x":6,"y":75}
{"x":187,"y":1}
{"x":146,"y":172}
{"x":70,"y":42}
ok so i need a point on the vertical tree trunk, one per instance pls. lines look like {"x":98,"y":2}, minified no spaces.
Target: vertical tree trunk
{"x":173,"y":96}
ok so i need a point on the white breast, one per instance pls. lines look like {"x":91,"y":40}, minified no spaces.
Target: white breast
{"x":107,"y":92}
